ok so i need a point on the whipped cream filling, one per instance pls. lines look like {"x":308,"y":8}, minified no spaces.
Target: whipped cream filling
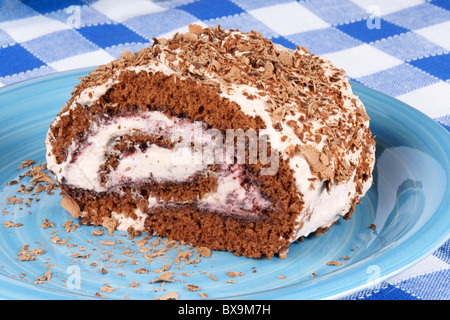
{"x":123,"y":222}
{"x":193,"y":149}
{"x":82,"y":166}
{"x":233,"y":196}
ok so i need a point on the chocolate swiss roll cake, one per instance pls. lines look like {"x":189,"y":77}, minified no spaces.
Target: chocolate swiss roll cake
{"x":215,"y":138}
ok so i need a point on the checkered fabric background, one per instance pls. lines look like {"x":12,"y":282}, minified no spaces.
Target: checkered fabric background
{"x":399,"y":47}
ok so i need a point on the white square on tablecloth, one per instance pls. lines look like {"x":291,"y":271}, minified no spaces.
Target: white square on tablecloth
{"x":89,"y":59}
{"x":288,"y":18}
{"x":438,"y":34}
{"x":362,"y":60}
{"x":30,"y":28}
{"x":428,"y":265}
{"x":121,"y":11}
{"x":184,"y":29}
{"x":387,"y":6}
{"x":419,"y":282}
{"x":433,"y":100}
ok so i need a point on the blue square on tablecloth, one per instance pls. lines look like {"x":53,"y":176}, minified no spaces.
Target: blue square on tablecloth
{"x":107,"y":35}
{"x":418,"y":17}
{"x":441,"y":3}
{"x":438,"y":66}
{"x":15,"y":59}
{"x":443,"y":253}
{"x":59,"y":45}
{"x":336,"y":11}
{"x":323,"y":41}
{"x":244,"y":22}
{"x":408,"y":46}
{"x":46,"y":6}
{"x":284,"y":42}
{"x":156,"y":24}
{"x":389,"y":293}
{"x":206,"y":9}
{"x":360,"y":30}
{"x":398,"y":80}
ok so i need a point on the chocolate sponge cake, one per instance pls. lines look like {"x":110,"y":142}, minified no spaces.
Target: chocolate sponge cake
{"x":217,"y":138}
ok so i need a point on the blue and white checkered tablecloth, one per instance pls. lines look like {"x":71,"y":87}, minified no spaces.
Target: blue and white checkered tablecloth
{"x":399,"y":47}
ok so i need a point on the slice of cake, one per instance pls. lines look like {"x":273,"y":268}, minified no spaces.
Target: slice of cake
{"x":217,"y":138}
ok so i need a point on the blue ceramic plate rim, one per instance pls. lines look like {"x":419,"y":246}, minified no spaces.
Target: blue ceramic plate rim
{"x":334,"y":285}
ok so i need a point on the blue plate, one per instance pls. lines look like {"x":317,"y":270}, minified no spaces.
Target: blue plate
{"x":409,"y":205}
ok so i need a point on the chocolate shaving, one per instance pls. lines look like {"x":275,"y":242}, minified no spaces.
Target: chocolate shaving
{"x":71,"y":206}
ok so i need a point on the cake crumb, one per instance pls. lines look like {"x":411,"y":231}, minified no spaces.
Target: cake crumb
{"x":141,"y":270}
{"x":97,"y":233}
{"x":283,"y":253}
{"x":107,"y":288}
{"x":234,"y":274}
{"x":212,"y":276}
{"x":29,"y":255}
{"x":165,"y":277}
{"x":110,"y":224}
{"x":26,"y":163}
{"x":192,"y":287}
{"x":204,"y":251}
{"x":47,"y":224}
{"x":170,"y":296}
{"x":14,"y":200}
{"x":10,"y":224}
{"x":45,"y":278}
{"x":80,"y":256}
{"x":69,"y":226}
